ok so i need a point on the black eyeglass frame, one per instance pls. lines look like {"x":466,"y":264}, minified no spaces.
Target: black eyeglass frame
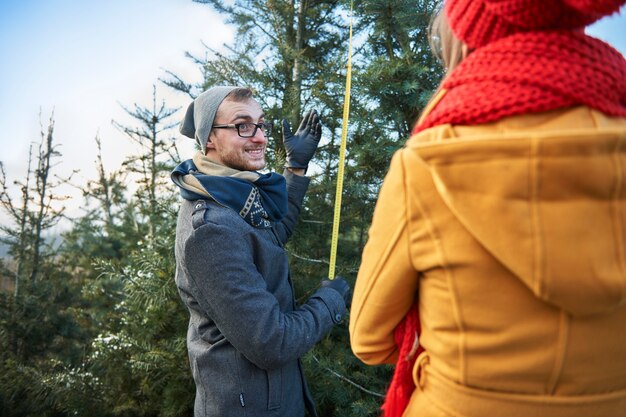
{"x":266,"y":127}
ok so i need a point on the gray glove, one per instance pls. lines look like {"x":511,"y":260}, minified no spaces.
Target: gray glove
{"x":301,"y":146}
{"x":341,"y":286}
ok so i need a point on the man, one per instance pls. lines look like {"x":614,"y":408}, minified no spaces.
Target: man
{"x":246,"y":334}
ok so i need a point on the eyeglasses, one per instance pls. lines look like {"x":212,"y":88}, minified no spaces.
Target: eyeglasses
{"x":248,"y":130}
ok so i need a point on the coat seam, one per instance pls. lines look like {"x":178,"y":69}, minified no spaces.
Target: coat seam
{"x":561,"y":346}
{"x":456,"y":305}
{"x":538,"y":256}
{"x":618,"y":227}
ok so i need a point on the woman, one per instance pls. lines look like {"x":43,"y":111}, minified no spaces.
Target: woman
{"x":501,"y":225}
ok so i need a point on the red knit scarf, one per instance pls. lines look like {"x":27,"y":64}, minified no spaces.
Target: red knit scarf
{"x":520,"y":74}
{"x":530,"y":73}
{"x":402,"y":386}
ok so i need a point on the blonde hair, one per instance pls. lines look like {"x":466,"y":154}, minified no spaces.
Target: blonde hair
{"x":447,"y":48}
{"x":444,"y":44}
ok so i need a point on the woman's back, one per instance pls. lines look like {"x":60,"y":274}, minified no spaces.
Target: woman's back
{"x":531,"y":223}
{"x":500,"y":228}
{"x":517,"y":229}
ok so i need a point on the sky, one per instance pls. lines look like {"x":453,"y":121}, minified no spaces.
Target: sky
{"x":83,"y":58}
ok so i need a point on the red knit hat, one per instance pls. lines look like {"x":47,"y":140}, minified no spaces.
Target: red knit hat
{"x":479,"y":22}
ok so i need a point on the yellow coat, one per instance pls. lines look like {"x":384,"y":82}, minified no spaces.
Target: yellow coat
{"x":513,"y":235}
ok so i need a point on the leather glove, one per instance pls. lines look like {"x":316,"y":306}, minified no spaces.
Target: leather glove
{"x":301,"y":146}
{"x":341,"y":286}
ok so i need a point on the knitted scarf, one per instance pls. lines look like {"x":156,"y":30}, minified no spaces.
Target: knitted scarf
{"x":260,"y":199}
{"x":529,"y":73}
{"x":520,"y":74}
{"x":402,"y":385}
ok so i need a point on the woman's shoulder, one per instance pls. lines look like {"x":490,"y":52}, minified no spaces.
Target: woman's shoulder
{"x":581,"y":119}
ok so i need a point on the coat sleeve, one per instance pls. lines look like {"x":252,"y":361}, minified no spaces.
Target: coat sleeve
{"x":230,"y":290}
{"x":387,"y":282}
{"x":296,"y":189}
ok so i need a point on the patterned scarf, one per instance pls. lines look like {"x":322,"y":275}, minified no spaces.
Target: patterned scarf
{"x":260,"y":199}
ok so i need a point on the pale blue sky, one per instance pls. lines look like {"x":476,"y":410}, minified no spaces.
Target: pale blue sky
{"x":82,"y":58}
{"x":612,"y":29}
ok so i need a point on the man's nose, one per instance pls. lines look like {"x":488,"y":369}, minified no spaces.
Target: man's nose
{"x":259,"y":136}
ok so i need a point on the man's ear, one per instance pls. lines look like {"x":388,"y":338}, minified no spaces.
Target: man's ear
{"x":209,"y":144}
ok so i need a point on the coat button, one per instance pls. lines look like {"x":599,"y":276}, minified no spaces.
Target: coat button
{"x":337,"y":317}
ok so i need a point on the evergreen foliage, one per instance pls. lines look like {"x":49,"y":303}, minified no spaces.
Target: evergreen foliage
{"x":93,"y":325}
{"x":40,"y":308}
{"x":296,"y":52}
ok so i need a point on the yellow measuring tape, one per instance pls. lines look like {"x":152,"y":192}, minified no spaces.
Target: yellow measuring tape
{"x":342,"y":158}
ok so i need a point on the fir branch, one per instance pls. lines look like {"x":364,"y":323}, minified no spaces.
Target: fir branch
{"x":348,"y":380}
{"x":318,"y":261}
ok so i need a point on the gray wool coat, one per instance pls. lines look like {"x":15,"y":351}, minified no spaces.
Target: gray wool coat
{"x":246,"y":333}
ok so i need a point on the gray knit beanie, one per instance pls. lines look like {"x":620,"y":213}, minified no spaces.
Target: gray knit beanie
{"x":200,"y":114}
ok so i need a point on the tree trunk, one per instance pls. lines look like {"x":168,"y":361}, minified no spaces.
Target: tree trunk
{"x":43,"y":171}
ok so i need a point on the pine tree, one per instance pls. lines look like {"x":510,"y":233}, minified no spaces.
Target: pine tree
{"x":157,"y":156}
{"x":38,"y":328}
{"x":38,"y":211}
{"x":138,"y":355}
